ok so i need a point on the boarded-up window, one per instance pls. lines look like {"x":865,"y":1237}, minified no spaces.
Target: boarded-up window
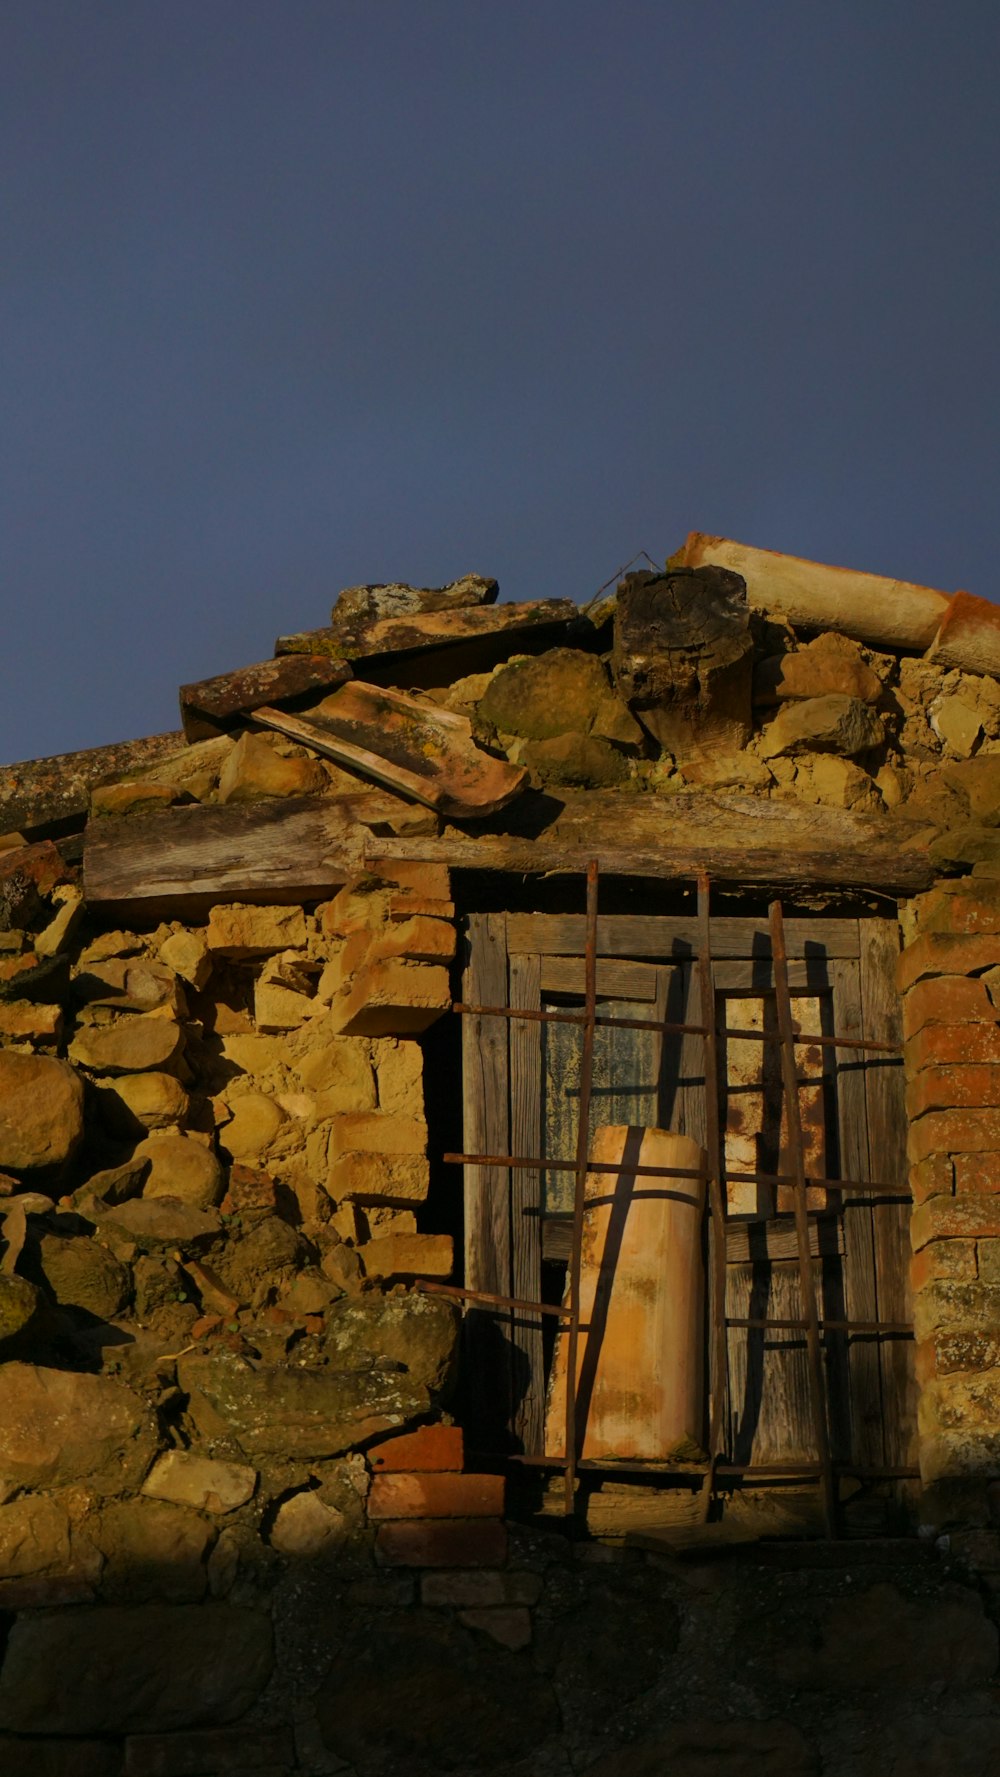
{"x":522,"y":1098}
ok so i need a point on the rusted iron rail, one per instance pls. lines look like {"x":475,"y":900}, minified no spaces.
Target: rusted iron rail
{"x":817,"y":1388}
{"x":670,"y":1026}
{"x":582,"y":1157}
{"x":718,"y":1344}
{"x":516,"y":1162}
{"x":488,"y":1300}
{"x":692,"y":1471}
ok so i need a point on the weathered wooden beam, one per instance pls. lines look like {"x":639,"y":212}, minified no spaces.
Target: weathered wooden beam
{"x":38,"y":792}
{"x":299,"y":849}
{"x":185,"y":859}
{"x":730,"y":837}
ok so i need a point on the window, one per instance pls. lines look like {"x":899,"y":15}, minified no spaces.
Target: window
{"x":521,"y":1098}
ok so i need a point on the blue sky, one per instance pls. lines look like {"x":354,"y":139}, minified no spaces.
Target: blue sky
{"x":298,"y":294}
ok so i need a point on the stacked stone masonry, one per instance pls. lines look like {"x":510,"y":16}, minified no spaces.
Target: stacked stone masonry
{"x":239,"y":1531}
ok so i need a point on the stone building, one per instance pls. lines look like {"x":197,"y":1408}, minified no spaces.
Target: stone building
{"x":469,"y":998}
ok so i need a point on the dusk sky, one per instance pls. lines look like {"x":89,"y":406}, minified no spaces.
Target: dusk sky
{"x":302,"y":293}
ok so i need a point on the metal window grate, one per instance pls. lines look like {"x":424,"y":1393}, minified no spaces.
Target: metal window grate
{"x":811,"y":1323}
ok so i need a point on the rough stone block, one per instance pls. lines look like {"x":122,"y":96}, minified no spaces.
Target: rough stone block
{"x":137,"y":1043}
{"x":392,"y":998}
{"x":408,"y":1255}
{"x":119,"y":1669}
{"x":479,"y":1588}
{"x":59,"y":1427}
{"x":954,"y":1218}
{"x":941,"y":953}
{"x":379,"y":1178}
{"x":240,"y":932}
{"x":947,"y":999}
{"x":957,"y":1350}
{"x":20,"y":1020}
{"x":376,"y":1132}
{"x":34,"y":1536}
{"x":442,"y":1542}
{"x":954,"y":1132}
{"x":944,"y":1259}
{"x":421,"y":939}
{"x":944,"y":1088}
{"x":949,"y":1304}
{"x":431,"y":1448}
{"x":59,"y":1758}
{"x":41,"y":1111}
{"x":427,"y":1495}
{"x":432,"y":880}
{"x":225,"y":1752}
{"x":203,"y":1482}
{"x":831,"y":724}
{"x":510,"y":1625}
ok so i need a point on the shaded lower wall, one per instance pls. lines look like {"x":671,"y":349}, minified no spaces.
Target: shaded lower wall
{"x":863,"y":1660}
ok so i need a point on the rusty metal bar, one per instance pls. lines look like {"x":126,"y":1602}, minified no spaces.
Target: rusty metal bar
{"x":515,"y":1162}
{"x":719,"y":1352}
{"x":488,"y":1299}
{"x":659,"y":1024}
{"x":817,"y":1388}
{"x":779,"y":1471}
{"x":582,"y":1154}
{"x":895,"y":1328}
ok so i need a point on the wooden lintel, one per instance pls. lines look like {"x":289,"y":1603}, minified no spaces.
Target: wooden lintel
{"x":732,"y":838}
{"x":185,"y":858}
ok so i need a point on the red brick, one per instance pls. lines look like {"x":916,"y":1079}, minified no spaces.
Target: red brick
{"x":977,"y":1175}
{"x":430,"y":1448}
{"x":960,"y":915}
{"x":952,"y":1045}
{"x":947,"y":999}
{"x":443,"y":1542}
{"x":934,"y":1177}
{"x":955,"y":1218}
{"x":954,"y":1132}
{"x":945,"y":1088}
{"x":939,"y":953}
{"x":250,"y":1195}
{"x":427,"y":1495}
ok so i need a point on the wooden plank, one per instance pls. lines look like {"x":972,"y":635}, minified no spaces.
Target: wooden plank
{"x":746,"y":1241}
{"x":486,"y":1130}
{"x":727,"y":835}
{"x":615,"y":980}
{"x":887,"y":1129}
{"x":860,"y":1296}
{"x":526,"y":1197}
{"x":770,"y":1399}
{"x":624,"y":1086}
{"x":631,"y":935}
{"x":804,"y":973}
{"x":186,"y":858}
